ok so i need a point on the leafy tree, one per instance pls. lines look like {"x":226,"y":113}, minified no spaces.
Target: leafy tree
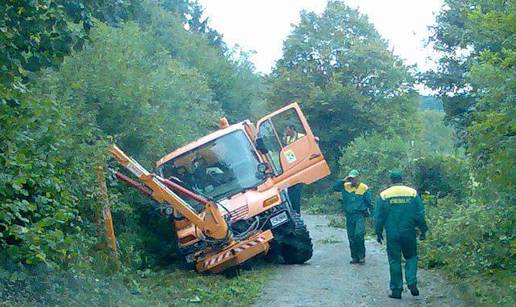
{"x":229,"y":73}
{"x":141,"y":96}
{"x":435,"y":136}
{"x":129,"y":82}
{"x":475,"y":80}
{"x":38,"y":34}
{"x":340,"y":69}
{"x":34,"y":34}
{"x":45,"y":180}
{"x":430,"y":103}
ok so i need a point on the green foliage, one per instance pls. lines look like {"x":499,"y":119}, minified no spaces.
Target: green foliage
{"x":489,"y":236}
{"x":341,"y":71}
{"x":38,"y":34}
{"x":164,"y":287}
{"x":321,"y":204}
{"x":435,"y":136}
{"x":464,"y":33}
{"x":134,"y":86}
{"x":475,"y":79}
{"x":471,"y":241}
{"x":35,"y":34}
{"x":228,"y":73}
{"x":430,"y":103}
{"x":374,"y":156}
{"x":442,"y":176}
{"x":44,"y":172}
{"x":426,"y":162}
{"x":148,"y":85}
{"x":491,"y":133}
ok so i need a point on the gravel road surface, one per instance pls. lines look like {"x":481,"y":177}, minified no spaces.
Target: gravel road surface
{"x":329,"y":280}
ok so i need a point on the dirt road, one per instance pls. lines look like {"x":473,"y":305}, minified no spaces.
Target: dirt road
{"x":329,"y":280}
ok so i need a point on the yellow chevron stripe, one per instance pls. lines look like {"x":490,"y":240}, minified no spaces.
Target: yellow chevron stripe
{"x":360,"y":190}
{"x":398,"y":191}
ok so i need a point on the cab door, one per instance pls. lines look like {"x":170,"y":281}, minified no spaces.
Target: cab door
{"x":292,"y":149}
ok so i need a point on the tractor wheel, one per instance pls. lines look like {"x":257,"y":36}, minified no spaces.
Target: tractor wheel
{"x":295,"y":243}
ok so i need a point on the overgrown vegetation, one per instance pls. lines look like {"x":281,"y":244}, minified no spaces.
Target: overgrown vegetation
{"x":475,"y":80}
{"x":167,"y":286}
{"x":152,"y":75}
{"x":341,"y":71}
{"x":468,"y":189}
{"x":76,"y":76}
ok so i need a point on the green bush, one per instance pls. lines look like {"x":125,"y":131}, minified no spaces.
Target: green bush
{"x":374,"y":156}
{"x":472,"y":242}
{"x":437,"y":174}
{"x":138,"y":85}
{"x":441,"y":176}
{"x":322,"y":204}
{"x":45,"y":180}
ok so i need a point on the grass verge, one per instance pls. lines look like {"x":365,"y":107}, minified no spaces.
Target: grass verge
{"x":165,"y":287}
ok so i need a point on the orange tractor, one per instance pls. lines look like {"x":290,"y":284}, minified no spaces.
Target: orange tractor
{"x":228,"y":192}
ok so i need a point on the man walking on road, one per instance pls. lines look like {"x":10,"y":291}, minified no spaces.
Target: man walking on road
{"x":356,"y":199}
{"x":400,"y":210}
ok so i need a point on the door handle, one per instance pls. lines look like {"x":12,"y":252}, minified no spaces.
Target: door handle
{"x":313,"y":156}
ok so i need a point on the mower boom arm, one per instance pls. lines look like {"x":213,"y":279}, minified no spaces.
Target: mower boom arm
{"x":211,"y":223}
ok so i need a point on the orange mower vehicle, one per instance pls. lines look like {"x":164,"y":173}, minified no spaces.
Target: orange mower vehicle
{"x":227,"y":193}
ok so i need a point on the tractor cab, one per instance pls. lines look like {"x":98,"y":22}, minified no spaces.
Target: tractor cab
{"x":242,"y":157}
{"x":219,"y":168}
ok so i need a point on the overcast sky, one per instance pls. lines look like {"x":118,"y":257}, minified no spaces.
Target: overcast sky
{"x":262,"y":25}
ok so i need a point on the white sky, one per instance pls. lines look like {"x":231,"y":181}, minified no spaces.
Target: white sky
{"x":263,"y":25}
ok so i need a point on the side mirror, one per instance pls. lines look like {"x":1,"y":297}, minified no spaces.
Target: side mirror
{"x":262,"y":167}
{"x":260,"y":145}
{"x":261,"y":170}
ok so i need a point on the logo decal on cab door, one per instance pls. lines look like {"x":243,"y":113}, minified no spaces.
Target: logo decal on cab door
{"x":290,"y":156}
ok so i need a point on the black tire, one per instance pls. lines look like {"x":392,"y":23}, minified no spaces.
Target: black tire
{"x":295,"y":242}
{"x":274,"y":253}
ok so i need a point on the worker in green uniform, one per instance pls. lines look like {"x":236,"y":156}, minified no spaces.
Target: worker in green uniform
{"x":356,"y":200}
{"x":400,"y":210}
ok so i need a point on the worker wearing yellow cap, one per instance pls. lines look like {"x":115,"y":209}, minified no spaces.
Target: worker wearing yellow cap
{"x":356,"y":200}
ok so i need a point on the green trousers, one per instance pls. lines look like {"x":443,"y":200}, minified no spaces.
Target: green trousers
{"x":355,"y":226}
{"x":294,"y":194}
{"x":396,"y":246}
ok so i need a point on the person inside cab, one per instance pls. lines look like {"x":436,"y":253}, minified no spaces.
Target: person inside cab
{"x":290,"y":135}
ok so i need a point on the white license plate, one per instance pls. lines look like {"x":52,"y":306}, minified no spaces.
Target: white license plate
{"x":279,"y":219}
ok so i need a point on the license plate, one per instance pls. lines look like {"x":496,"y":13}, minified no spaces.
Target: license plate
{"x":279,"y":219}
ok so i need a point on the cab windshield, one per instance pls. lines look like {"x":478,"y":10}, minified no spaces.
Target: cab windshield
{"x":218,"y":169}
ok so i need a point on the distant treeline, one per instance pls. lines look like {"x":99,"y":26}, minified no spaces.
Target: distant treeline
{"x":430,"y":103}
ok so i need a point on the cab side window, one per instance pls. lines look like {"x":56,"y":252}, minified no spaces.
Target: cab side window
{"x":270,"y":139}
{"x":289,"y":127}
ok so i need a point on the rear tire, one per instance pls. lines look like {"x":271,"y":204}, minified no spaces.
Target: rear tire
{"x":294,"y":241}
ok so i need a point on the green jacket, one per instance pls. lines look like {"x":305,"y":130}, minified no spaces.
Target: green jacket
{"x":399,"y":209}
{"x":354,"y":200}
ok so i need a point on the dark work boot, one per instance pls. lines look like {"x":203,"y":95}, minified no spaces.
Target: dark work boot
{"x":413,"y":290}
{"x":395,"y":294}
{"x":353,"y":261}
{"x":361,"y":261}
